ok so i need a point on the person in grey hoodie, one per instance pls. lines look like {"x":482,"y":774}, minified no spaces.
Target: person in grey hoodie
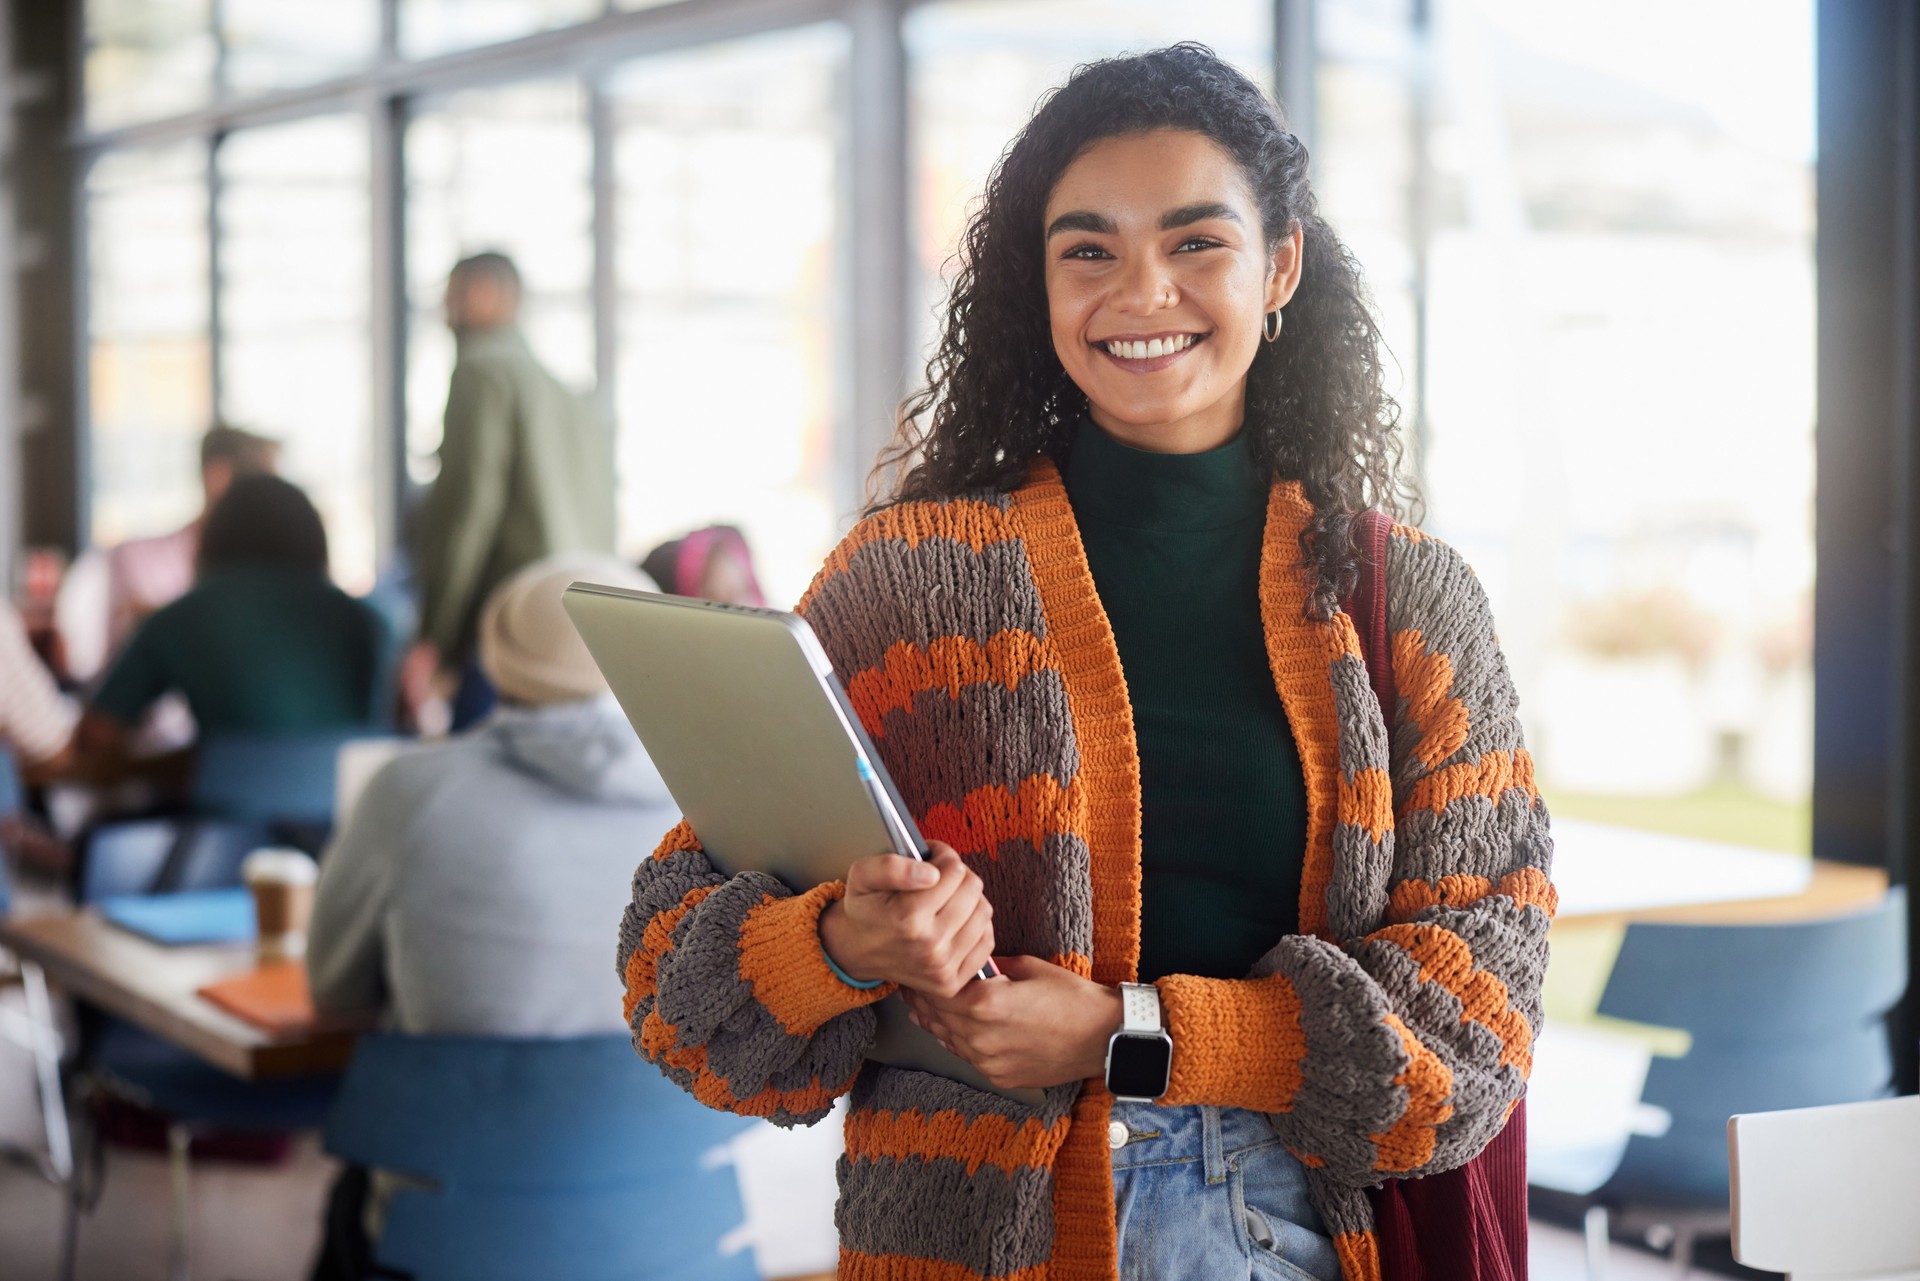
{"x":475,"y":884}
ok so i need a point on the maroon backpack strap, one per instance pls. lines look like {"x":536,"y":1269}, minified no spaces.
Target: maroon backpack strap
{"x":1367,"y":605}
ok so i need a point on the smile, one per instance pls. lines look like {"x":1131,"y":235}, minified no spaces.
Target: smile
{"x":1133,"y":350}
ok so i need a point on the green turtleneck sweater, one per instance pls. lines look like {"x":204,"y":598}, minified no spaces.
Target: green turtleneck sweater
{"x":1174,"y":544}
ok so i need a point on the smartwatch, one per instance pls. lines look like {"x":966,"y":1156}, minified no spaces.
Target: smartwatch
{"x":1140,"y":1054}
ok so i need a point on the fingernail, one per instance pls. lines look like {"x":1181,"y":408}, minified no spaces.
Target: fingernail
{"x":925,"y":873}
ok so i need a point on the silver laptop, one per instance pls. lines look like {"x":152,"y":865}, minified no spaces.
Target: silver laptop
{"x":750,"y":729}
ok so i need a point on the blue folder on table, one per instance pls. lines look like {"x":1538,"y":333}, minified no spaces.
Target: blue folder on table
{"x":192,"y":916}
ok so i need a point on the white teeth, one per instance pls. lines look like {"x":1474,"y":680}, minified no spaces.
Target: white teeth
{"x":1152,"y":348}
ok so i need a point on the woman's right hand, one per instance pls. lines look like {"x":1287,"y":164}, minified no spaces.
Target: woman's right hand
{"x":924,"y":925}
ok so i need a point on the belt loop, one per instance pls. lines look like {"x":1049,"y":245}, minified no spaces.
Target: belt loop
{"x":1215,"y":1144}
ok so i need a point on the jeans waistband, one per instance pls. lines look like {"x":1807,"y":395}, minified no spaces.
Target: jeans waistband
{"x":1157,"y":1135}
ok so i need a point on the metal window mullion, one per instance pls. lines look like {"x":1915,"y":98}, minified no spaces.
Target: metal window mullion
{"x":388,"y":313}
{"x":217,"y":18}
{"x":216,"y":327}
{"x":876,"y":241}
{"x":82,"y":364}
{"x":1295,"y":60}
{"x":1420,"y":221}
{"x":606,"y":282}
{"x":1903,"y":820}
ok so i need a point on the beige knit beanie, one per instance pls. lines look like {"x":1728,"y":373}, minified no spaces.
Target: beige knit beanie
{"x":528,"y":647}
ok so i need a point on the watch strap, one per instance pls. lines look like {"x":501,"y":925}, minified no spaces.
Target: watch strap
{"x":1140,"y":1008}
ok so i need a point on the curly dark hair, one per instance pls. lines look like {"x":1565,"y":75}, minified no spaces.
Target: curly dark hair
{"x":996,"y":395}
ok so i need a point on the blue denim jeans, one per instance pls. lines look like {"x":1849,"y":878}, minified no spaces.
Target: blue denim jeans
{"x":1210,"y":1192}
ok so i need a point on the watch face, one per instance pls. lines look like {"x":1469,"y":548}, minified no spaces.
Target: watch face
{"x":1137,"y":1066}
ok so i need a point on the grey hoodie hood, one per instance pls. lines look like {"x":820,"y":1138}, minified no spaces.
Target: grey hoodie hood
{"x":585,"y":749}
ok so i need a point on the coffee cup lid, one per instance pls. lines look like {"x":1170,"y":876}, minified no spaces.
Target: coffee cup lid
{"x":288,"y":866}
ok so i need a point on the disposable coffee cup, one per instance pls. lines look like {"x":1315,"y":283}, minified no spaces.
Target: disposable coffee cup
{"x":281,"y":881}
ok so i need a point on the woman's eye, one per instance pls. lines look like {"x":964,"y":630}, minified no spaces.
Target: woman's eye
{"x":1198,"y":242}
{"x":1086,"y":253}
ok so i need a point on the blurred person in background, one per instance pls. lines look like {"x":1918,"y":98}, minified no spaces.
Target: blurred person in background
{"x":474,"y":886}
{"x":36,"y":722}
{"x":263,"y":641}
{"x":108,"y":591}
{"x":714,"y":563}
{"x":526,"y":471}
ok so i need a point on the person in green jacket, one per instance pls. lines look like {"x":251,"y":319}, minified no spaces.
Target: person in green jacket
{"x":526,"y":470}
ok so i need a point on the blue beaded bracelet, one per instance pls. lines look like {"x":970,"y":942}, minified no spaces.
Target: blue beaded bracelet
{"x":847,"y":978}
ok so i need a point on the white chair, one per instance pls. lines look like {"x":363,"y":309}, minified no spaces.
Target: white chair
{"x":1829,"y":1193}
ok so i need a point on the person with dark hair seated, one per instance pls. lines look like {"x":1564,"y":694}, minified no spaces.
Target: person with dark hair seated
{"x":108,"y":591}
{"x":263,"y":642}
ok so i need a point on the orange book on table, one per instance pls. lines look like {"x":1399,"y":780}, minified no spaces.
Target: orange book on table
{"x":274,"y":998}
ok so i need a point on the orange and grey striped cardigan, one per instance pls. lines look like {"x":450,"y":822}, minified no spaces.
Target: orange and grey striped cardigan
{"x":1389,"y":1038}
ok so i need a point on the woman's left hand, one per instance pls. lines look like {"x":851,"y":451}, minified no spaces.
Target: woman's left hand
{"x":1035,"y":1026}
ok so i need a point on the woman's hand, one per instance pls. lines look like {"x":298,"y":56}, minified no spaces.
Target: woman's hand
{"x":1037,"y":1025}
{"x":922,"y":925}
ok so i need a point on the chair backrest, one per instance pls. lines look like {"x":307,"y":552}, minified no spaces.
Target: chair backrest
{"x":1828,"y":1191}
{"x":1782,"y":1015}
{"x":568,"y":1159}
{"x":157,"y":855}
{"x":269,"y":778}
{"x":12,"y":793}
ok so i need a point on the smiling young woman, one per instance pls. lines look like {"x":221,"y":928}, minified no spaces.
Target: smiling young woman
{"x":1266,"y":945}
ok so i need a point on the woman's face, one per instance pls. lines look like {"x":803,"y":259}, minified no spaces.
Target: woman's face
{"x":1158,"y":278}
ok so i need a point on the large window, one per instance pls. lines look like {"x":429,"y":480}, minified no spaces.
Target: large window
{"x":1588,"y":235}
{"x":149,"y":378}
{"x":728,"y":250}
{"x":437,"y":26}
{"x":508,"y":170}
{"x":147,"y":58}
{"x":1370,"y":73}
{"x":150,"y":58}
{"x":294,"y":361}
{"x":1619,"y":376}
{"x":276,"y":44}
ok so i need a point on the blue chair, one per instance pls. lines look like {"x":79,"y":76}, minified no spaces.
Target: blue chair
{"x":12,"y":797}
{"x":12,"y":792}
{"x":569,"y":1160}
{"x":270,"y":778}
{"x":1782,"y":1015}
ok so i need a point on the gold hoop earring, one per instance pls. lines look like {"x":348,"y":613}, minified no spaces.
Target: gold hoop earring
{"x":1271,"y":332}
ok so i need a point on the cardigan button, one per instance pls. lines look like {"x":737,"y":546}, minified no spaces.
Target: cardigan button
{"x":1117,"y":1135}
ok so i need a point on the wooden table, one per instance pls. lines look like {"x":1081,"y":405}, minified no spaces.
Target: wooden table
{"x":1610,"y":876}
{"x":156,"y":987}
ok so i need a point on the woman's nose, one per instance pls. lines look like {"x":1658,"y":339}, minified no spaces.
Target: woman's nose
{"x":1145,"y":287}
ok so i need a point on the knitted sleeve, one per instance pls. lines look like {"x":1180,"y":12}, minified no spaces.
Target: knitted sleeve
{"x":728,"y":990}
{"x":729,"y":993}
{"x":1400,"y":1052}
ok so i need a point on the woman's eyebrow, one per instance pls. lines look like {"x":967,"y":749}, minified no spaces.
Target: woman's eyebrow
{"x":1186,"y":215}
{"x":1081,"y":220}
